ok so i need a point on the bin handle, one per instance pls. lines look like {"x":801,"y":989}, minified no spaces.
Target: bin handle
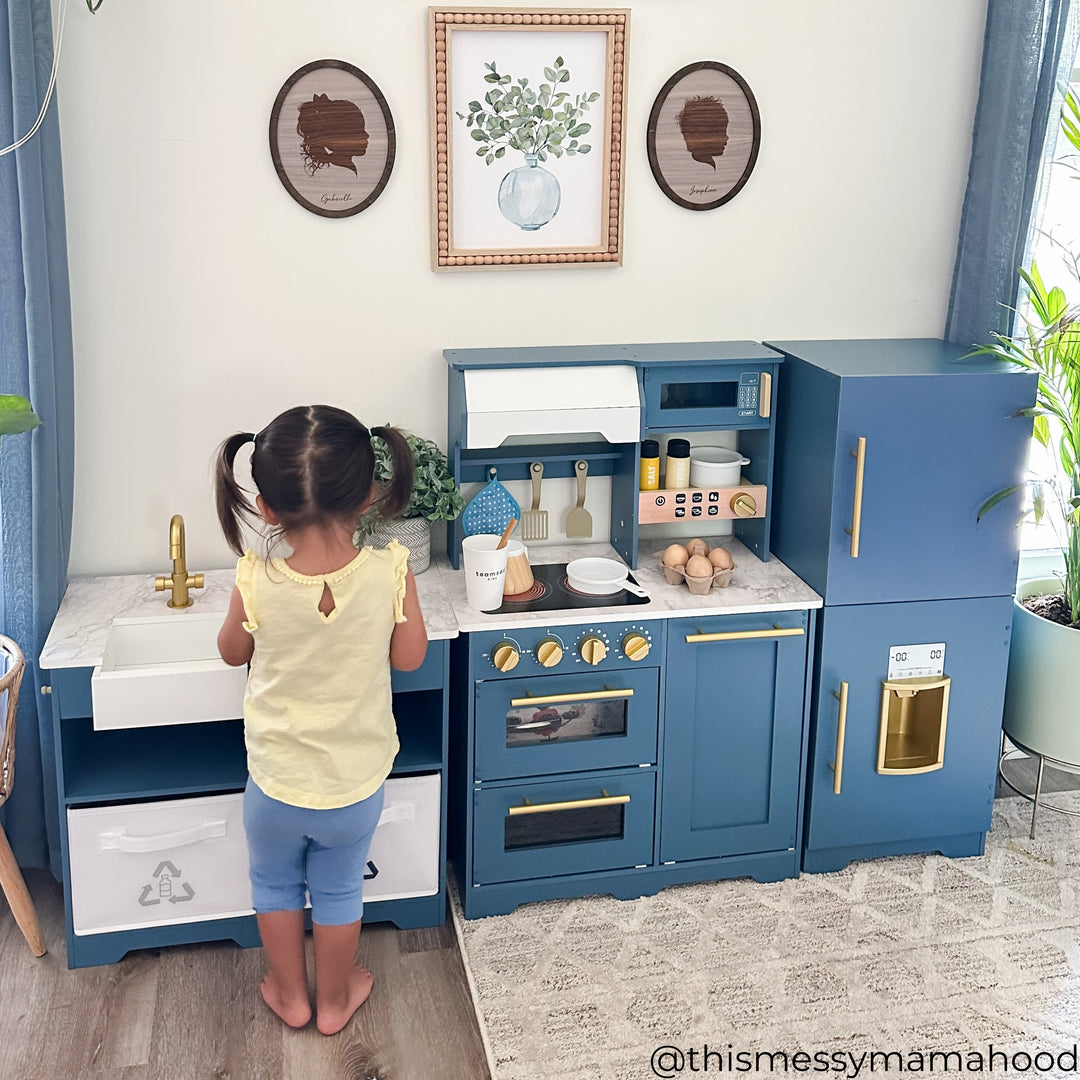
{"x":118,"y":840}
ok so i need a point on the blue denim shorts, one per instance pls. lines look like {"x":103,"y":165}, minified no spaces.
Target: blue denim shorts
{"x":294,"y":852}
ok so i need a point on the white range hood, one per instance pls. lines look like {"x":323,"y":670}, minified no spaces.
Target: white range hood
{"x":538,"y":402}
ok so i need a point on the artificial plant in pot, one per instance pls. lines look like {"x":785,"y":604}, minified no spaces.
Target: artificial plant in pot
{"x":1043,"y":686}
{"x":435,"y":497}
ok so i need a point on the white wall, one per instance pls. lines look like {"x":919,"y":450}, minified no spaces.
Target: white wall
{"x":206,"y":300}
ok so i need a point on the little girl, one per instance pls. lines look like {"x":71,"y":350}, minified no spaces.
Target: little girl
{"x":321,"y":628}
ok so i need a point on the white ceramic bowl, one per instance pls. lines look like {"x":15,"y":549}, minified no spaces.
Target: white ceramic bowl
{"x":715,"y":466}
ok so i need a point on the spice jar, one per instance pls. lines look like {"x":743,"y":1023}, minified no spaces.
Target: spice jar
{"x":677,"y":468}
{"x":650,"y":465}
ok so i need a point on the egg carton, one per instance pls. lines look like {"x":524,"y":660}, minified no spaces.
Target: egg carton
{"x":699,"y":586}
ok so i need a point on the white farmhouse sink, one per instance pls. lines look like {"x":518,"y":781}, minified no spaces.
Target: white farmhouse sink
{"x":165,"y":670}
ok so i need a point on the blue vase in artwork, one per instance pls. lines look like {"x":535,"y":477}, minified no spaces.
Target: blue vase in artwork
{"x":529,"y":195}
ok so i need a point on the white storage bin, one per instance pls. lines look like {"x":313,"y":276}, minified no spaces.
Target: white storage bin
{"x":157,"y":863}
{"x":404,"y":856}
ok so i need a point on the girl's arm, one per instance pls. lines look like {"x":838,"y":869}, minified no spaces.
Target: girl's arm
{"x":234,"y":642}
{"x":408,"y":643}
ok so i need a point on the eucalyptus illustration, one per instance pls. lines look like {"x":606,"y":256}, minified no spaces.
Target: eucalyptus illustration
{"x":537,"y":122}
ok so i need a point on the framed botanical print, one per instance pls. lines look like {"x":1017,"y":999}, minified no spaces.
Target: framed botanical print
{"x":527,"y":136}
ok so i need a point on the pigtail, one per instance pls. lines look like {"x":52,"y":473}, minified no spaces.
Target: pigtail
{"x":395,"y":493}
{"x":233,"y":505}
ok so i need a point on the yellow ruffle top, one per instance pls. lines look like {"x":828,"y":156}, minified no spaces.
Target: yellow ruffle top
{"x":318,"y":721}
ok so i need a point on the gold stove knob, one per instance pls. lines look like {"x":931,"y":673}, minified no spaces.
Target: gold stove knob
{"x":505,"y":655}
{"x":592,"y":649}
{"x":743,"y":505}
{"x":636,"y":646}
{"x":549,"y":652}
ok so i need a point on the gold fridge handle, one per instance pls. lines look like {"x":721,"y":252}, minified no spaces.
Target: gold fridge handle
{"x":574,"y":804}
{"x":554,"y":699}
{"x":859,"y":454}
{"x":841,"y":728}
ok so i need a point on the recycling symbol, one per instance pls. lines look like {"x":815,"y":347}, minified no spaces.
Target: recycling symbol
{"x":164,"y":887}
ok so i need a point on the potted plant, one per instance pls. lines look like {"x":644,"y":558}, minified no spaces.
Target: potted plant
{"x":435,"y":497}
{"x":1043,"y":685}
{"x":536,"y":122}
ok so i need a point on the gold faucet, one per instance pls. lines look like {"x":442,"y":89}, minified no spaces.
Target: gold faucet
{"x":180,"y":580}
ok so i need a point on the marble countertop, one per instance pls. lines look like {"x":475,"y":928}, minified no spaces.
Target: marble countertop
{"x":755,"y":586}
{"x":77,"y":637}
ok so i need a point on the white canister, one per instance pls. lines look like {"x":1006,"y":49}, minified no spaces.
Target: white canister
{"x":715,"y":466}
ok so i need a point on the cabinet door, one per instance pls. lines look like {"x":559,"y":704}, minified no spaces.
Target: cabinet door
{"x":873,"y":807}
{"x":936,"y":447}
{"x":733,"y":735}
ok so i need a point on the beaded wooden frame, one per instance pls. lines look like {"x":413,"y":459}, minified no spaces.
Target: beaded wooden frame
{"x":444,"y":23}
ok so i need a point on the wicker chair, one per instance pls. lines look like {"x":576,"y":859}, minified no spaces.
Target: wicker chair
{"x":13,"y":665}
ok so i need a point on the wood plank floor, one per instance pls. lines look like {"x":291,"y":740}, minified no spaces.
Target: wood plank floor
{"x":194,"y":1012}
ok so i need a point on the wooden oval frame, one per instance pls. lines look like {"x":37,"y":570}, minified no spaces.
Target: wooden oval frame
{"x":387,"y":120}
{"x":654,"y":118}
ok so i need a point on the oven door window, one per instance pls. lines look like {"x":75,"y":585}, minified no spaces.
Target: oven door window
{"x":564,"y":825}
{"x":570,"y":722}
{"x":549,"y":723}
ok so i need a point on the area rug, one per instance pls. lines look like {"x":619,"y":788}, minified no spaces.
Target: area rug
{"x":910,"y":957}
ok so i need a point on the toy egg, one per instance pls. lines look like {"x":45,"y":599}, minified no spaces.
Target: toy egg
{"x":720,"y":558}
{"x":697,"y":546}
{"x":675,"y":555}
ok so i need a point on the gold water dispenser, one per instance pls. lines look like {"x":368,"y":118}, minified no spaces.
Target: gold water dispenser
{"x":914,"y":712}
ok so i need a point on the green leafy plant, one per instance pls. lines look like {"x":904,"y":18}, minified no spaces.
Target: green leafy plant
{"x":435,"y":496}
{"x":541,"y":121}
{"x":16,"y":415}
{"x":1050,"y":346}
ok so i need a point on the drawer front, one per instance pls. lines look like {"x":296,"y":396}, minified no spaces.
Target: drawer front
{"x":546,"y":724}
{"x":404,"y":856}
{"x":555,"y":827}
{"x":157,"y":863}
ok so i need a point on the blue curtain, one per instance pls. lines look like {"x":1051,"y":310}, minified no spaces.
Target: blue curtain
{"x":1029,"y":47}
{"x":36,"y":469}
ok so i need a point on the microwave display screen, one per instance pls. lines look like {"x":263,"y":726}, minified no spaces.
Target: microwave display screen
{"x":699,"y":395}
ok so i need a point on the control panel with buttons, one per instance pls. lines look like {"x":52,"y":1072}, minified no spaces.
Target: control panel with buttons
{"x":686,"y":504}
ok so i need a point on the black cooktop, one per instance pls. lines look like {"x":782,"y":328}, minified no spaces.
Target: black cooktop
{"x":551,"y":592}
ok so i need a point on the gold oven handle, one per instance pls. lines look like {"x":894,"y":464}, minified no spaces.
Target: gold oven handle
{"x":744,"y":635}
{"x":592,"y":695}
{"x":841,"y":730}
{"x":859,"y":454}
{"x":574,"y":804}
{"x":764,"y":395}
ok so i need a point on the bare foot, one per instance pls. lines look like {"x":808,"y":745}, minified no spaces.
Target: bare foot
{"x":293,"y":1009}
{"x":333,"y":1017}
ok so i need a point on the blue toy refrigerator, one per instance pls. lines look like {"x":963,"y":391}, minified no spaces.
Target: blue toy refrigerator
{"x":885,"y":451}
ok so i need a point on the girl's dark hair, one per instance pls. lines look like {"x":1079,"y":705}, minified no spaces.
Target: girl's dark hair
{"x":311,"y":464}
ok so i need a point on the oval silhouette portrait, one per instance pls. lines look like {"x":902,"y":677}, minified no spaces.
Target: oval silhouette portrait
{"x":332,"y":138}
{"x":703,"y":135}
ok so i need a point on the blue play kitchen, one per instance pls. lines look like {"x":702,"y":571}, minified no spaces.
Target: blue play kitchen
{"x":832,"y":691}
